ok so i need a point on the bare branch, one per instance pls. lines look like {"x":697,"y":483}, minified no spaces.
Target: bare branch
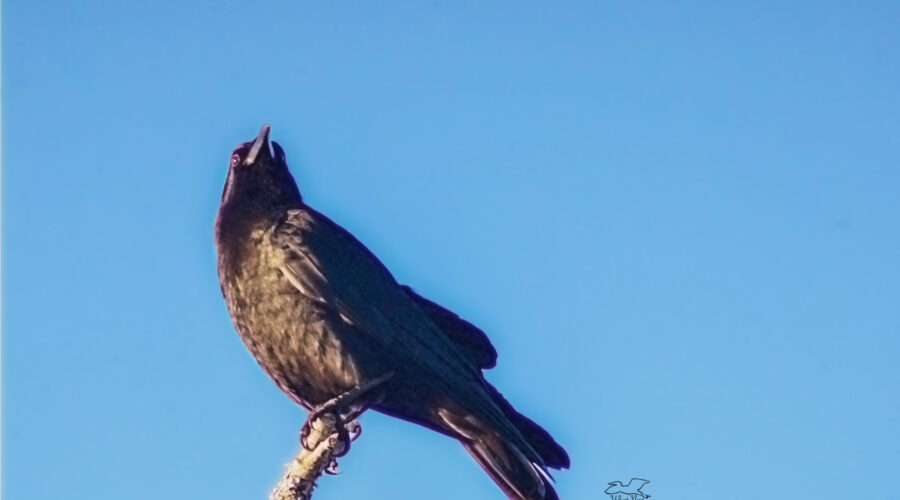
{"x":300,"y":477}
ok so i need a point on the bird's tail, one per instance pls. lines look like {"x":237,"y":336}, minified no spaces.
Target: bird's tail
{"x":552,"y":454}
{"x":516,"y":466}
{"x":518,"y":477}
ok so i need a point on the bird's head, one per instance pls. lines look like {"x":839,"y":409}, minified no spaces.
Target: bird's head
{"x":258,"y":169}
{"x":258,"y":152}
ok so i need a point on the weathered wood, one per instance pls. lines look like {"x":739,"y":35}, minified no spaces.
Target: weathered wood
{"x":302,"y":473}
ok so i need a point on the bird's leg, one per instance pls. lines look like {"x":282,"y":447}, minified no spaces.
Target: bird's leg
{"x":350,"y":404}
{"x":345,"y":407}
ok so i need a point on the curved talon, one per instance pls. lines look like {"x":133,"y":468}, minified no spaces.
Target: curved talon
{"x":344,"y":440}
{"x":304,"y":437}
{"x":354,"y":430}
{"x":332,"y":469}
{"x":317,"y":413}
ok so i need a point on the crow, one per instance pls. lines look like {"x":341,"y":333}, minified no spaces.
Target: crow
{"x":325,"y":318}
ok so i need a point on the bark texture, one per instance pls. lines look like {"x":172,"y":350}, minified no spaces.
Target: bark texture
{"x":301,"y":474}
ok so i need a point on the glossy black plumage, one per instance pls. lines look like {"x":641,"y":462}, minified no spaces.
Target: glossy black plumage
{"x":321,"y":314}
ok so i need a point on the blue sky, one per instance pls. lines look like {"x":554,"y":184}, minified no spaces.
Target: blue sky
{"x":678,"y":224}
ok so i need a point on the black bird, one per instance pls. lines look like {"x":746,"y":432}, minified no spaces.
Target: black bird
{"x":324,"y":317}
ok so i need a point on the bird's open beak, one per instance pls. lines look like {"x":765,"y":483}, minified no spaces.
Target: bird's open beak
{"x":262,"y":139}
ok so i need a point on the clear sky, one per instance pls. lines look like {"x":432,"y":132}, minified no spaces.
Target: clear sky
{"x":677,"y":223}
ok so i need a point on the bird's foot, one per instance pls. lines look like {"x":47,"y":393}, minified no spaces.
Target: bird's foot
{"x":344,"y":408}
{"x":346,"y":434}
{"x":335,"y":420}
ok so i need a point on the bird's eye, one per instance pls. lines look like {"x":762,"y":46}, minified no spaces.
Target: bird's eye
{"x":235,"y":159}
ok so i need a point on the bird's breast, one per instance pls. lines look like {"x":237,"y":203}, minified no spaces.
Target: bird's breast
{"x":299,"y":343}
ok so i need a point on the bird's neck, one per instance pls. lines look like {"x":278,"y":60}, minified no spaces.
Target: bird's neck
{"x":247,"y":210}
{"x":253,"y":200}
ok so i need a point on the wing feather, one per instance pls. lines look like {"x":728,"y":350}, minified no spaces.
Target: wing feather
{"x":327,"y":264}
{"x":468,"y":337}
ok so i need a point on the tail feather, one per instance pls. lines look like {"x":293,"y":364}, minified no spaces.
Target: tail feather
{"x":518,"y":477}
{"x":515,"y":468}
{"x":551,"y":452}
